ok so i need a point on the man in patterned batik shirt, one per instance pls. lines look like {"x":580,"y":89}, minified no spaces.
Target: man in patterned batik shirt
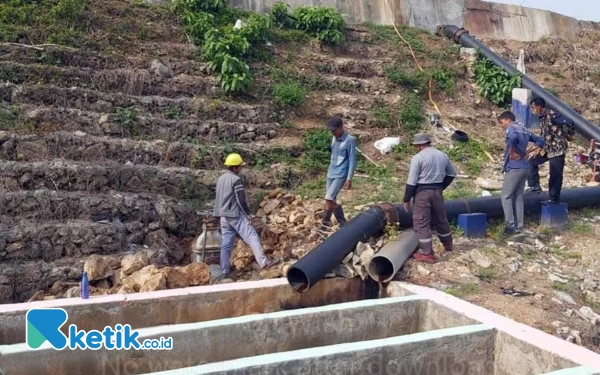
{"x":557,"y":139}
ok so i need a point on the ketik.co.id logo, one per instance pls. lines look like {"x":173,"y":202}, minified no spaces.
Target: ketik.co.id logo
{"x":44,"y":325}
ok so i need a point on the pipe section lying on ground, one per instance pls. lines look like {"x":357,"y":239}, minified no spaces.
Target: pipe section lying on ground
{"x":388,"y":261}
{"x":492,"y":206}
{"x":582,"y":126}
{"x":305,"y":273}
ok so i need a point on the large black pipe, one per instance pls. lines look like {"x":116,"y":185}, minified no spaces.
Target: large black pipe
{"x":305,"y":273}
{"x":492,"y":206}
{"x":582,"y":126}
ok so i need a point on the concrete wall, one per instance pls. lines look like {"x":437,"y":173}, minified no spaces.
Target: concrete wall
{"x":482,"y":19}
{"x":440,"y":352}
{"x":186,"y":305}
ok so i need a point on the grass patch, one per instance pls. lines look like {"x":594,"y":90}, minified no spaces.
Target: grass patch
{"x":173,"y":113}
{"x":289,"y":94}
{"x":462,"y":290}
{"x":556,"y":251}
{"x":411,"y":115}
{"x":496,"y":230}
{"x":312,"y":189}
{"x":562,"y":287}
{"x":382,"y":114}
{"x":581,"y":228}
{"x":61,"y":22}
{"x":470,"y":154}
{"x":485,"y":274}
{"x":444,"y":78}
{"x":316,"y":144}
{"x":587,"y":212}
{"x":459,"y":189}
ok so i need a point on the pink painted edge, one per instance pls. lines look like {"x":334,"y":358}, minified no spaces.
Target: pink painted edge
{"x":96,"y":300}
{"x":533,"y":336}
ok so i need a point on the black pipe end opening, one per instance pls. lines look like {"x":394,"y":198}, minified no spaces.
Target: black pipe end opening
{"x":298,"y":280}
{"x":381,"y":268}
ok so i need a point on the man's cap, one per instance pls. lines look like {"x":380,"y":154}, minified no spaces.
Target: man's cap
{"x":421,"y":139}
{"x":334,"y":123}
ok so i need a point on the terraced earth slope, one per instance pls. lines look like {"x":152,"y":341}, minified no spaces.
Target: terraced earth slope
{"x":113,"y":129}
{"x":112,"y":135}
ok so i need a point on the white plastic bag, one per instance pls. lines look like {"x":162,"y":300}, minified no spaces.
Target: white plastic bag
{"x":239,"y":24}
{"x":384,"y":145}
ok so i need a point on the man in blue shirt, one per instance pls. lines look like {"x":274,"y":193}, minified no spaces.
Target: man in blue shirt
{"x":516,"y":171}
{"x":341,"y":170}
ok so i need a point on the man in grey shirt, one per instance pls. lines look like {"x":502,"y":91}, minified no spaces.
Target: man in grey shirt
{"x":430,"y":173}
{"x":232,"y":209}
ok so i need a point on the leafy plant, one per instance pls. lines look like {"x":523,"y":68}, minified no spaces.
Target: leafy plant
{"x":281,"y":17}
{"x":324,"y":23}
{"x":471,"y":154}
{"x":411,"y":115}
{"x":289,"y":94}
{"x":316,"y":145}
{"x":382,"y":114}
{"x":127,"y":118}
{"x":495,"y":84}
{"x":199,"y":5}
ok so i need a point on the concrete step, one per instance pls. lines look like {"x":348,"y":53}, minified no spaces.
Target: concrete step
{"x":63,"y":175}
{"x":79,"y":146}
{"x":126,"y":81}
{"x":155,"y":106}
{"x":139,"y":212}
{"x":278,"y":332}
{"x":44,"y":119}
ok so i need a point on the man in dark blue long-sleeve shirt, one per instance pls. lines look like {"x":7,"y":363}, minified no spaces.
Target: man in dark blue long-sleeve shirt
{"x":516,"y":171}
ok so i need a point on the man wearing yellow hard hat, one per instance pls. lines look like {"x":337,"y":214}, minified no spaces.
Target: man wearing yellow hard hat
{"x":232,"y":209}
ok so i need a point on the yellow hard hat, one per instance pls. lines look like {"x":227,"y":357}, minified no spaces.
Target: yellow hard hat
{"x":234,"y":160}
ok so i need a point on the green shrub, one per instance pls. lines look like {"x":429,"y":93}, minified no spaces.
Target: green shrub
{"x":495,"y":84}
{"x":471,"y":154}
{"x":281,"y":17}
{"x":316,"y":145}
{"x":411,"y":115}
{"x":324,"y":23}
{"x":289,"y":94}
{"x":212,"y":6}
{"x":257,"y":30}
{"x":444,"y":78}
{"x":416,"y":81}
{"x":382,"y":114}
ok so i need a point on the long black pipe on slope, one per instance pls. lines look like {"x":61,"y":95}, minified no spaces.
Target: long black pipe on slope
{"x":306,"y":272}
{"x":582,"y":126}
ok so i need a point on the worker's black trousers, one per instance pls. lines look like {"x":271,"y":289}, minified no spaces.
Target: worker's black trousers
{"x":557,"y":166}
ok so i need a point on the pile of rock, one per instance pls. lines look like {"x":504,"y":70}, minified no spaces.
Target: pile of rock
{"x":132,"y":273}
{"x":287,"y":224}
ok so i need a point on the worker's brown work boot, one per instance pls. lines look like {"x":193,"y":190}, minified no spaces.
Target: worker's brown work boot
{"x":425,"y":258}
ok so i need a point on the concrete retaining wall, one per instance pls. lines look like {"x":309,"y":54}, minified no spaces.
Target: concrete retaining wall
{"x":482,"y":19}
{"x":187,"y":305}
